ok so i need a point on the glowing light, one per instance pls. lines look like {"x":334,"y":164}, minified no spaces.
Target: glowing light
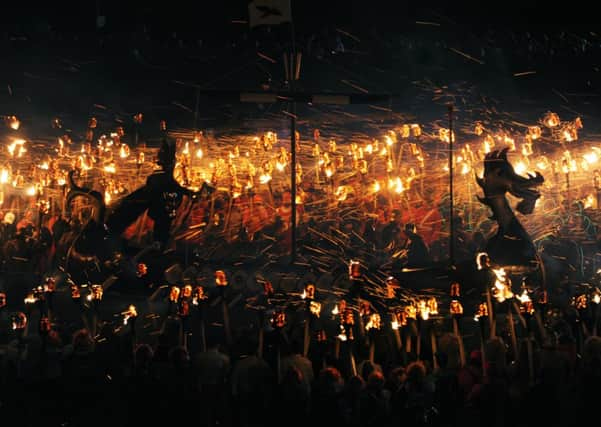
{"x":488,"y":144}
{"x":424,"y":310}
{"x":13,"y":122}
{"x":465,"y":168}
{"x":591,"y":158}
{"x":551,"y":120}
{"x":110,"y":168}
{"x":375,"y":322}
{"x":534,"y":132}
{"x":124,"y":151}
{"x":17,"y":147}
{"x":502,"y":286}
{"x":520,"y":168}
{"x":4,"y":176}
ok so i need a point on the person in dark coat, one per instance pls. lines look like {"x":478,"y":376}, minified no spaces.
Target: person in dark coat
{"x":418,"y":253}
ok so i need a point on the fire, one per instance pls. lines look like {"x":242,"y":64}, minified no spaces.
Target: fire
{"x":396,"y":185}
{"x":542,"y":163}
{"x":30,"y":299}
{"x":488,"y":144}
{"x":523,"y":297}
{"x":376,"y":187}
{"x":592,"y":157}
{"x":465,"y":168}
{"x":416,"y":130}
{"x":341,"y":193}
{"x":444,"y":135}
{"x":502,"y":288}
{"x":509,"y":142}
{"x":354,"y":269}
{"x":581,"y":302}
{"x":526,"y":305}
{"x":534,"y":132}
{"x":375,"y":322}
{"x":199,"y":153}
{"x":13,"y":122}
{"x":280,"y":166}
{"x":551,"y":120}
{"x":481,"y":312}
{"x":17,"y":148}
{"x":110,"y":168}
{"x":424,"y":310}
{"x":4,"y":176}
{"x":520,"y":168}
{"x":129,"y":314}
{"x":124,"y":151}
{"x":456,"y":308}
{"x":432,"y":305}
{"x":569,"y":134}
{"x":315,"y":308}
{"x":264,"y":178}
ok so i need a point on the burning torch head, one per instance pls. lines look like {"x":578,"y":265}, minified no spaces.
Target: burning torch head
{"x":278,"y":320}
{"x":221,"y":278}
{"x":309,"y":292}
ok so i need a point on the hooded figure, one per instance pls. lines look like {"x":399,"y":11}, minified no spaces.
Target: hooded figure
{"x":418,"y":254}
{"x":162,"y":195}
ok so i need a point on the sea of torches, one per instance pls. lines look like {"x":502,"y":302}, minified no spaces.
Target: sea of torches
{"x":400,"y":153}
{"x":388,"y":165}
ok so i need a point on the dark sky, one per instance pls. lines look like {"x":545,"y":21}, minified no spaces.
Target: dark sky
{"x":207,"y":18}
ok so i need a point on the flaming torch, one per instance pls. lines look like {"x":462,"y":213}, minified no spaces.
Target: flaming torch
{"x":129,"y":317}
{"x":527,"y":310}
{"x":581,"y":304}
{"x":198,"y":299}
{"x":308,"y":295}
{"x":423,"y":314}
{"x":173,"y":299}
{"x":456,"y":310}
{"x":399,"y":321}
{"x":96,"y":296}
{"x":278,"y":322}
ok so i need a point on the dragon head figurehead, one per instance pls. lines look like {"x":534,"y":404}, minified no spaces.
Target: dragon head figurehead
{"x":500,"y":178}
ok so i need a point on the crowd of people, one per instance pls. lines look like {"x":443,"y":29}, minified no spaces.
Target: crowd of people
{"x":119,"y":379}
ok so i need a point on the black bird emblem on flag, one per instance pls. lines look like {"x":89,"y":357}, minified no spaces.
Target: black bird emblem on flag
{"x":268,"y":11}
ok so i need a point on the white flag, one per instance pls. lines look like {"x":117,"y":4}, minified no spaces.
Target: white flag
{"x":269,"y":12}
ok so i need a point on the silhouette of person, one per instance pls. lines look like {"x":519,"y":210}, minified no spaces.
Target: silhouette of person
{"x":418,"y":253}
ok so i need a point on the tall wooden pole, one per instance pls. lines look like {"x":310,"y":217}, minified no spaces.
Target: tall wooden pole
{"x":451,"y":200}
{"x":292,"y":78}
